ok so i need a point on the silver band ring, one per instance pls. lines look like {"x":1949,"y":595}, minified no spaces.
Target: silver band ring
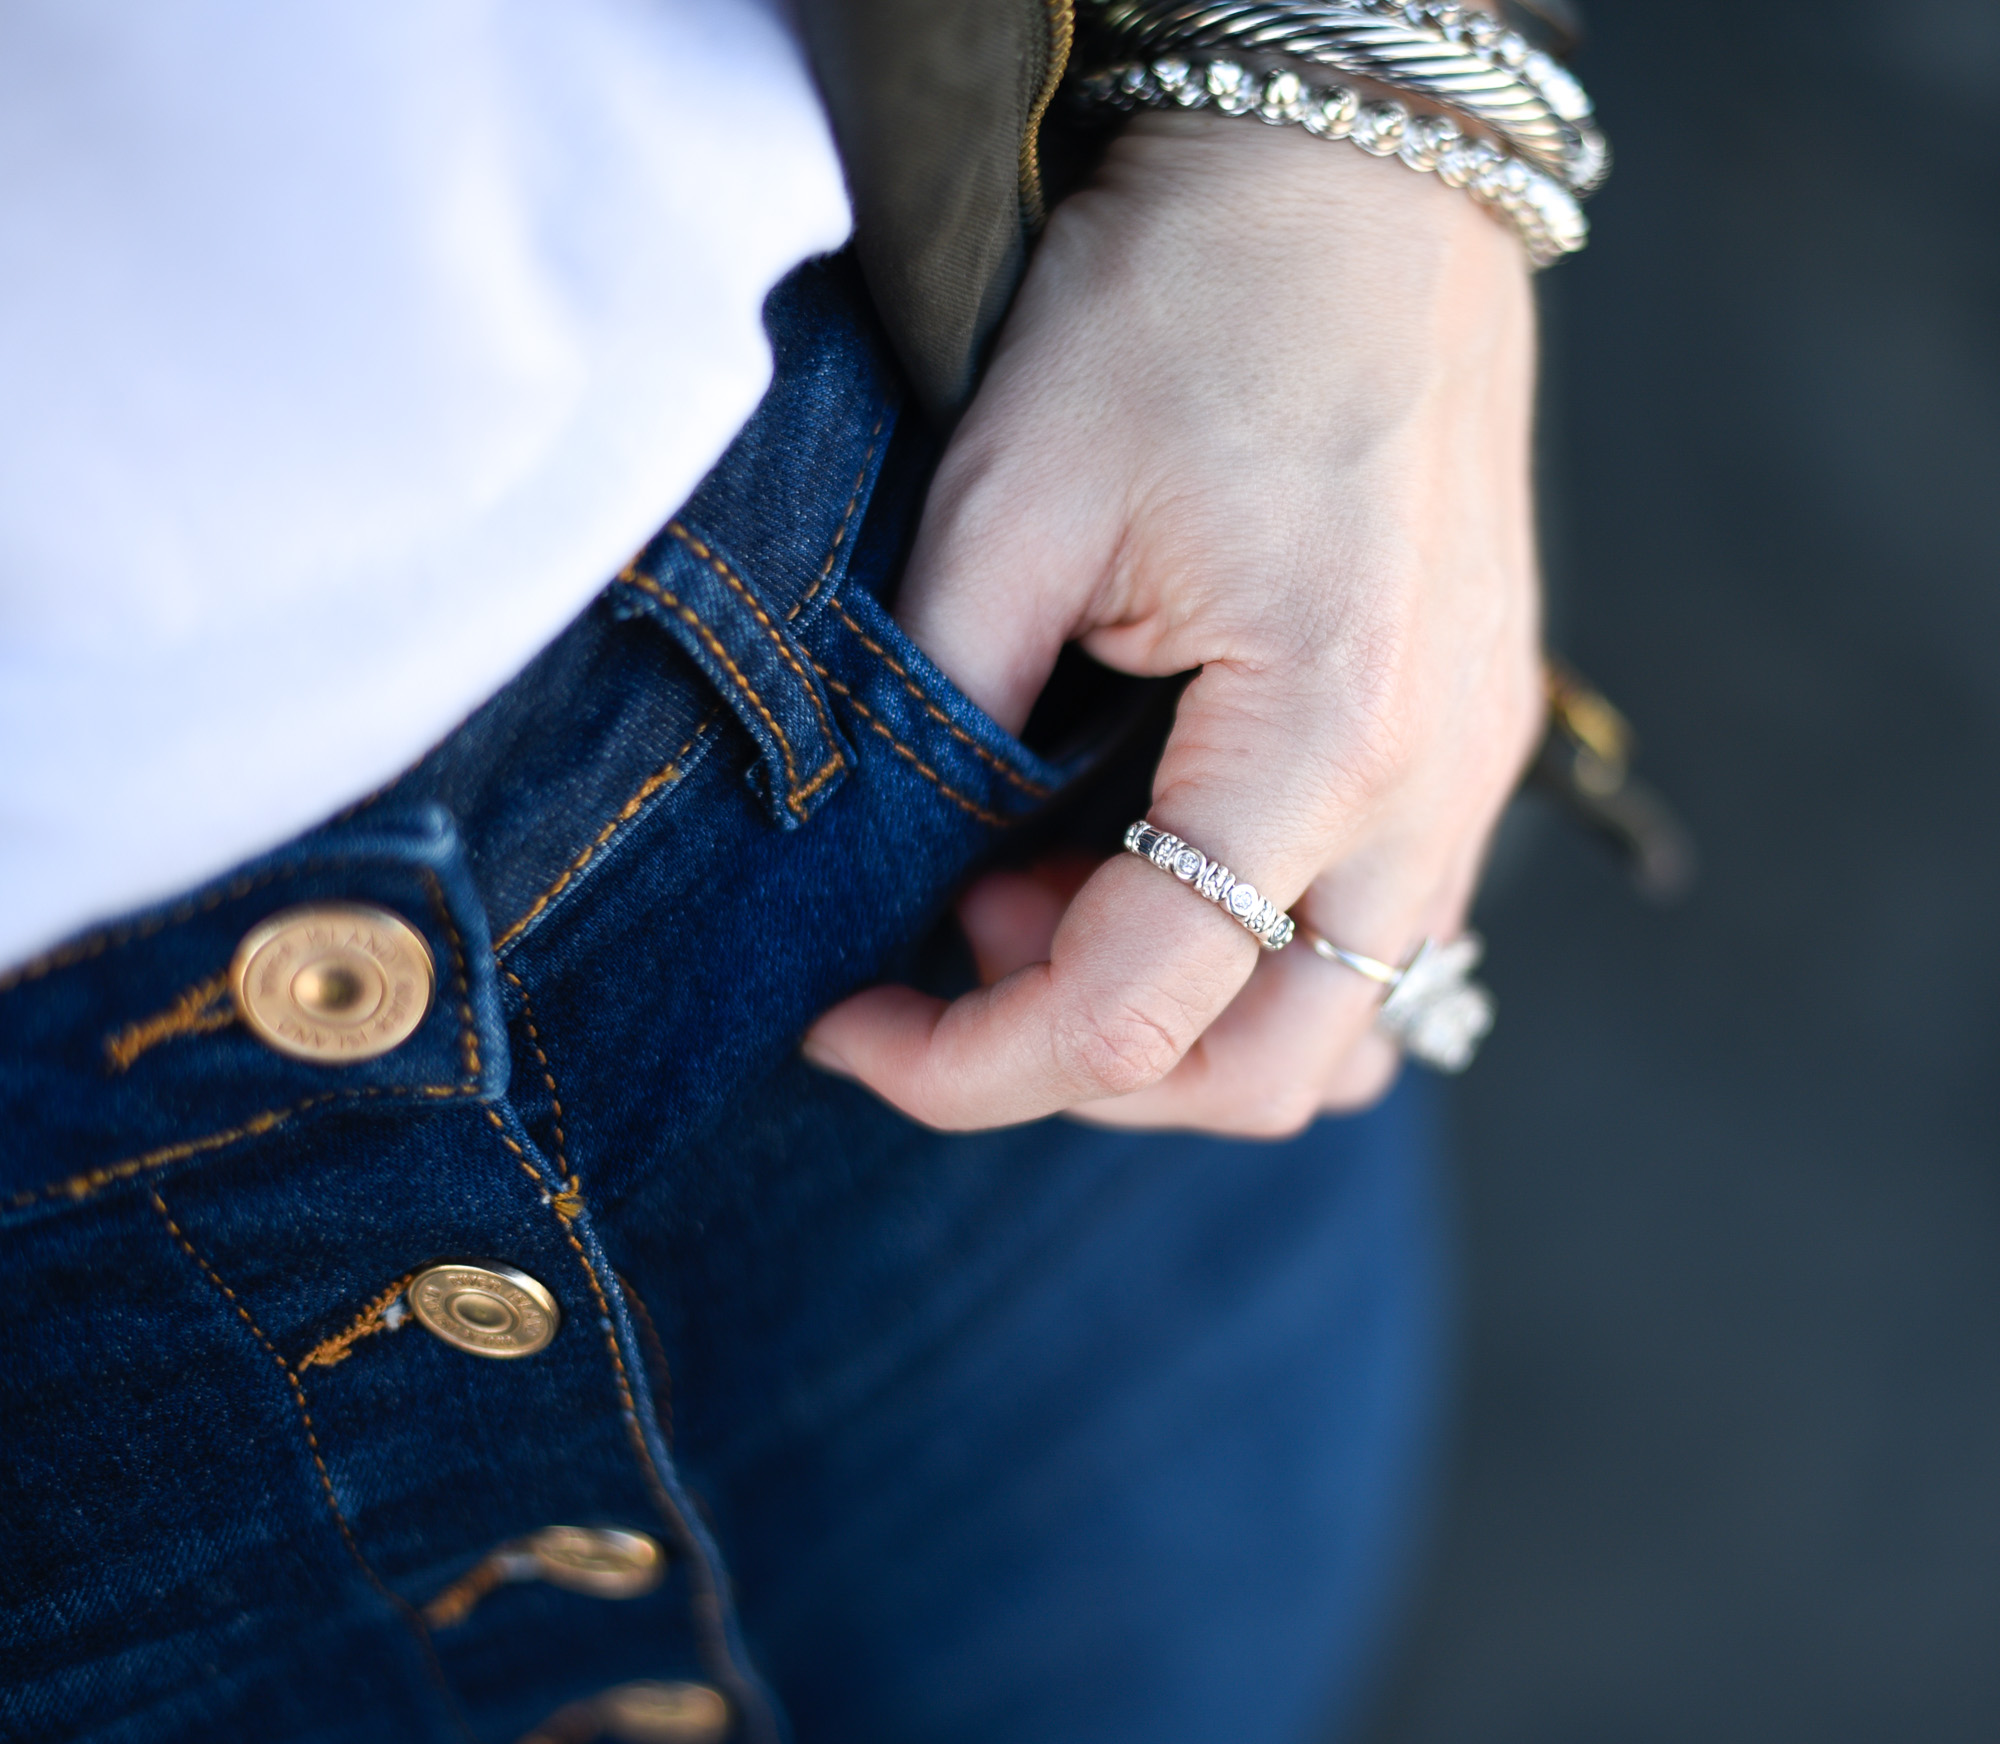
{"x":1434,"y":1011}
{"x":1258,"y":915}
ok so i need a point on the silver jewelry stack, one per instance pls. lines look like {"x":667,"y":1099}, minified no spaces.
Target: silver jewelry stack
{"x":1258,"y":915}
{"x":1172,"y":54}
{"x":1433,"y":1010}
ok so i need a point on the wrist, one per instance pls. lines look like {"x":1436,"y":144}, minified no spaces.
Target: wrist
{"x":1279,"y":196}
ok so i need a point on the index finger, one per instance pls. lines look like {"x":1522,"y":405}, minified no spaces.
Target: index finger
{"x":1139,"y":966}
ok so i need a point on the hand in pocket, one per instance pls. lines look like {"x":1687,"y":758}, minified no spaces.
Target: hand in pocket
{"x":1262,"y":408}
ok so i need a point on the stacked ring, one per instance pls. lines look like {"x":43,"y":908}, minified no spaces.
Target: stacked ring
{"x":1433,"y":1010}
{"x":1258,"y":915}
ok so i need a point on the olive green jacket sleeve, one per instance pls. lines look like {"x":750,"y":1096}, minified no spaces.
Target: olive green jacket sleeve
{"x":937,"y":105}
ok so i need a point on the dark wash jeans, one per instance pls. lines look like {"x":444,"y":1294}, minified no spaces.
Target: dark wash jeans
{"x":1046,"y":1434}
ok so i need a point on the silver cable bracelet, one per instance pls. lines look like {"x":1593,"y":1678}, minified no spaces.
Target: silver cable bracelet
{"x":1542,"y":212}
{"x":1258,"y":915}
{"x":1459,"y":56}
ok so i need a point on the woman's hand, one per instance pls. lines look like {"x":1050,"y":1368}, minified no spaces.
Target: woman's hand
{"x":1262,"y":408}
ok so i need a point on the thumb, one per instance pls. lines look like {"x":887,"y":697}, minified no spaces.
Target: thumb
{"x":1002,"y":572}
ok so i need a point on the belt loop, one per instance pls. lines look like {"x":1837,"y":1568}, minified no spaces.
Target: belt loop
{"x":688,"y":584}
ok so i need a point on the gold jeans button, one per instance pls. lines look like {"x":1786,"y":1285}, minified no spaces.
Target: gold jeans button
{"x":663,"y":1713}
{"x":487,"y":1308}
{"x":333,"y":983}
{"x":601,"y":1561}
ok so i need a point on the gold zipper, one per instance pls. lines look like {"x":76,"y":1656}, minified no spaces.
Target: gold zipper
{"x":1062,"y":38}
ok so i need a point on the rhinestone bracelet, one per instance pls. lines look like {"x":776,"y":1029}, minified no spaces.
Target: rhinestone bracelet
{"x":1544,"y":213}
{"x":1459,"y":56}
{"x":1456,"y":55}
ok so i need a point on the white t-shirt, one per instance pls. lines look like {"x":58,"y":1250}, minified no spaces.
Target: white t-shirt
{"x":347,"y":347}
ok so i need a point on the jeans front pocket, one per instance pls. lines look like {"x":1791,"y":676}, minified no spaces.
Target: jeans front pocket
{"x":687,"y":965}
{"x":787,"y":794}
{"x":900,"y":698}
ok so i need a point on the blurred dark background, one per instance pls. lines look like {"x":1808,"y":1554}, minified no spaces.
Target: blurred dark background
{"x":1728,"y":1458}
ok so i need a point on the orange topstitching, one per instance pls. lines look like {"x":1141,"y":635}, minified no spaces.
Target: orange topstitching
{"x":647,"y":788}
{"x":796,"y":794}
{"x":371,"y":1320}
{"x":96,"y":944}
{"x":203,"y":1008}
{"x":847,"y":515}
{"x":93,"y":1180}
{"x":298,"y":1393}
{"x":705,"y":1601}
{"x":468,"y":1035}
{"x":756,"y":606}
{"x":461,"y":1598}
{"x":1006,"y":771}
{"x":902,"y":750}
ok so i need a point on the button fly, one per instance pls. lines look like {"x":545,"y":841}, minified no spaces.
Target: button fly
{"x":333,"y":983}
{"x":487,"y":1309}
{"x":599,"y":1560}
{"x":663,"y":1713}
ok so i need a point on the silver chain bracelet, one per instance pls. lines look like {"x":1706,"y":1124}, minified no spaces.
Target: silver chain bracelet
{"x":1544,"y":213}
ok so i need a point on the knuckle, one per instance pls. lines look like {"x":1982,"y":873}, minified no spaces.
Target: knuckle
{"x":1382,"y":751}
{"x":1373,"y":726}
{"x":1122,"y":1048}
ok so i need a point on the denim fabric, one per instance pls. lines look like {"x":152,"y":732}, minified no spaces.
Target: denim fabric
{"x":1045,"y":1434}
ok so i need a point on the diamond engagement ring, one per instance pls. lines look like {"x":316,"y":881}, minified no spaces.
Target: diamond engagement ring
{"x":1258,"y":915}
{"x":1435,"y":1011}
